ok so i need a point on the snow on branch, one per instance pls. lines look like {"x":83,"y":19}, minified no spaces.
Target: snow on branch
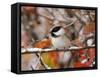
{"x":39,"y":50}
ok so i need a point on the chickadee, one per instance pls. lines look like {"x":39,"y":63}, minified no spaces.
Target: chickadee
{"x":60,"y":40}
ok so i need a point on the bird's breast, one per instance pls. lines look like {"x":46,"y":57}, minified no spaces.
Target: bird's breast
{"x":60,"y":42}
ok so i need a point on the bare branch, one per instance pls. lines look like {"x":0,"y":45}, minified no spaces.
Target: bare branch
{"x":38,"y":50}
{"x":41,"y":61}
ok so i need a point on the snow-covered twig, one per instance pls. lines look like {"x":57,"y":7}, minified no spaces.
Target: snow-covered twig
{"x":39,"y":50}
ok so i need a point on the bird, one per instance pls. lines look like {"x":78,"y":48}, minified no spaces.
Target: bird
{"x":56,"y":39}
{"x":59,"y":39}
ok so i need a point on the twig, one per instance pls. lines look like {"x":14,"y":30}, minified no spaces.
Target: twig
{"x":41,"y":61}
{"x":32,"y":67}
{"x":33,"y":50}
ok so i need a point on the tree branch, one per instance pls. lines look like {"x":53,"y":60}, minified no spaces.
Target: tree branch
{"x":41,"y":61}
{"x":38,"y":50}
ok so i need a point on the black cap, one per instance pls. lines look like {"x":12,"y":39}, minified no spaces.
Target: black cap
{"x":55,"y":29}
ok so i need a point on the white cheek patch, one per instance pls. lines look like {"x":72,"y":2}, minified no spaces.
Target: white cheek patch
{"x":60,"y":32}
